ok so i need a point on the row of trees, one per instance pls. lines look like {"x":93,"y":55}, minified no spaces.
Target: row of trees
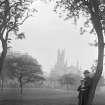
{"x":70,"y":80}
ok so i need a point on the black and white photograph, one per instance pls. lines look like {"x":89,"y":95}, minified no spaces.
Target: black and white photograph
{"x":52,"y":52}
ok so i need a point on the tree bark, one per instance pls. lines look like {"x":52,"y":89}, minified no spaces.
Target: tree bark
{"x":2,"y":58}
{"x":2,"y":83}
{"x":98,"y":28}
{"x":97,"y":74}
{"x":20,"y":85}
{"x":21,"y":89}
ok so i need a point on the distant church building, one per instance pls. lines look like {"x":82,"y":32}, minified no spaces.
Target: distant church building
{"x":61,"y":67}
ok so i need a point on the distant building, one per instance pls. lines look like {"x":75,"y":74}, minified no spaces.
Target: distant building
{"x":61,"y":67}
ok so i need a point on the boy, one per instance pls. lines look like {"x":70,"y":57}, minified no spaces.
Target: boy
{"x":81,"y":92}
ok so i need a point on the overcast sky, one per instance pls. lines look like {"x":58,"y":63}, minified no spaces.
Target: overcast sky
{"x":46,"y":32}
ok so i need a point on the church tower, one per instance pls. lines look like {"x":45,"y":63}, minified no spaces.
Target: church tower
{"x":61,"y":57}
{"x":61,"y":67}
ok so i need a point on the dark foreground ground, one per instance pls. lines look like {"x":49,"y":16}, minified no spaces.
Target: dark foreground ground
{"x":40,"y":96}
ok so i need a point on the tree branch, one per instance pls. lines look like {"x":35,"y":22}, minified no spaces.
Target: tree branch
{"x":1,"y":3}
{"x":7,"y":33}
{"x":26,"y":17}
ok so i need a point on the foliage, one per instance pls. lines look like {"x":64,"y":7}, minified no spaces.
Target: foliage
{"x":93,"y":68}
{"x":67,"y":79}
{"x":23,"y":67}
{"x":13,"y":13}
{"x":78,"y":9}
{"x":94,"y":13}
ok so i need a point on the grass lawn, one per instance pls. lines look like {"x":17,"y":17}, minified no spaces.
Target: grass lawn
{"x":43,"y":96}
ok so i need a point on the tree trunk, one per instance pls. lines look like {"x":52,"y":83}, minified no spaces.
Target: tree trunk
{"x":20,"y":85}
{"x":2,"y":58}
{"x":21,"y":89}
{"x":2,"y":83}
{"x":97,"y":74}
{"x":98,"y":28}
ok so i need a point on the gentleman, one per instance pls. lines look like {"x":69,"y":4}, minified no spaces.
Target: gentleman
{"x":84,"y":88}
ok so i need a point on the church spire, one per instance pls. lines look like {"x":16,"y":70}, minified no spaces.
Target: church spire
{"x":61,"y":57}
{"x":77,"y":64}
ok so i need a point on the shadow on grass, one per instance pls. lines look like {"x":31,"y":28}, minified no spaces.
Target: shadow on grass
{"x":44,"y":97}
{"x":37,"y":97}
{"x":58,"y":101}
{"x":36,"y":102}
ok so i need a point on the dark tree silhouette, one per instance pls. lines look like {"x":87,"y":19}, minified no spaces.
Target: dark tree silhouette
{"x":94,"y":13}
{"x":67,"y":80}
{"x":24,"y":69}
{"x":13,"y":13}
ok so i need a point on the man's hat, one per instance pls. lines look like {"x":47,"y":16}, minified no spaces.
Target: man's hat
{"x":86,"y":72}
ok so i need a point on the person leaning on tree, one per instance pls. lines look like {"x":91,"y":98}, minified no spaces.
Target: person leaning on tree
{"x":85,"y":89}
